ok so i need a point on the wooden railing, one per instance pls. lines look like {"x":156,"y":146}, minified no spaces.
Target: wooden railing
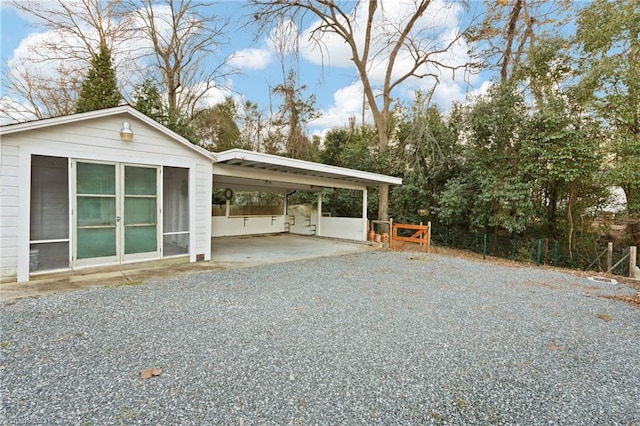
{"x":422,"y":236}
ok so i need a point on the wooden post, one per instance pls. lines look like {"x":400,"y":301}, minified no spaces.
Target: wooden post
{"x":633,"y":254}
{"x":428,"y":237}
{"x":609,"y":257}
{"x":394,"y":234}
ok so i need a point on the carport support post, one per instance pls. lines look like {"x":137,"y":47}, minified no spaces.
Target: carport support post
{"x":319,"y":213}
{"x":633,"y":254}
{"x":364,"y":215}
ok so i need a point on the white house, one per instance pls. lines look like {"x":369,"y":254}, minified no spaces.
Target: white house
{"x":113,"y":186}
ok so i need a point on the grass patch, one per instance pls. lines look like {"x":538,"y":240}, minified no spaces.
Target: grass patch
{"x":130,"y":284}
{"x":461,"y":403}
{"x":630,"y":299}
{"x":436,"y":416}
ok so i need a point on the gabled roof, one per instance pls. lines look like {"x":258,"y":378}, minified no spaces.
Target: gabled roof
{"x":275,"y":163}
{"x":247,"y":160}
{"x":84,"y":116}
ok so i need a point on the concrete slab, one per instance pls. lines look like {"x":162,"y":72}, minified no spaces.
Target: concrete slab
{"x":277,"y":248}
{"x":227,"y":253}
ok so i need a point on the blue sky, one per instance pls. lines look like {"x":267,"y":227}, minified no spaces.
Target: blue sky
{"x":329,"y":76}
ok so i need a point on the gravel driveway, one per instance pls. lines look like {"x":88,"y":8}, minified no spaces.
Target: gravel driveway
{"x":368,"y":338}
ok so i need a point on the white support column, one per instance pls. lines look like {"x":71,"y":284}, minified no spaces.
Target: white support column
{"x":319,"y":213}
{"x":24,"y":209}
{"x":227,"y":207}
{"x":364,"y":215}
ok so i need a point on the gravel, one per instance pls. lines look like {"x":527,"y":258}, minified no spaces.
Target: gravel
{"x":369,"y":338}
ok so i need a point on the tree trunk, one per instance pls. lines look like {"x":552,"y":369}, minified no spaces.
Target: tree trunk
{"x":572,"y":197}
{"x":383,"y":205}
{"x":381,"y":120}
{"x":509,"y":37}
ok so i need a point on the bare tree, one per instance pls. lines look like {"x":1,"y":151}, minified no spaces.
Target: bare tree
{"x":80,"y":26}
{"x":33,"y":95}
{"x":293,"y":115}
{"x":411,"y":46}
{"x":182,"y":36}
{"x":46,"y":81}
{"x":510,"y":29}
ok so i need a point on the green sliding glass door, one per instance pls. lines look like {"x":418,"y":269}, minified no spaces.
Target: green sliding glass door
{"x":96,"y":217}
{"x":116,"y":213}
{"x":140,"y":210}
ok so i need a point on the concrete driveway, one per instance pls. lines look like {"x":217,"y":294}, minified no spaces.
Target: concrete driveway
{"x":227,"y":253}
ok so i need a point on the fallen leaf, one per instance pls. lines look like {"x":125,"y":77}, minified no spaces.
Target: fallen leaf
{"x":292,"y":377}
{"x":605,"y":317}
{"x":555,"y":347}
{"x":150,"y":372}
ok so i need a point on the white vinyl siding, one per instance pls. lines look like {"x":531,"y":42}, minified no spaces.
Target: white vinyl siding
{"x":204,"y":188}
{"x":9,"y":210}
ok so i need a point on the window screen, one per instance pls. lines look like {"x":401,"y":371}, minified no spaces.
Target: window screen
{"x":176,"y":211}
{"x":49,"y":213}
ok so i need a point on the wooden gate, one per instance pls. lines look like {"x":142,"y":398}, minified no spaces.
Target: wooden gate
{"x":422,"y":236}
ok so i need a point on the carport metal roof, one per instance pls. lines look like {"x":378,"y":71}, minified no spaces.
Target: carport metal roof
{"x":258,"y":171}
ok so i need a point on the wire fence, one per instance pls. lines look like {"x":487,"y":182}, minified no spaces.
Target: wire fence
{"x":586,"y":253}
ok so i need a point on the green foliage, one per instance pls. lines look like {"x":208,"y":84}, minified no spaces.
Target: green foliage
{"x":353,"y":147}
{"x":427,"y":155}
{"x":491,"y":191}
{"x":100,"y":88}
{"x":148,"y":101}
{"x":216,"y":127}
{"x":454,"y":202}
{"x":180,"y":124}
{"x":608,"y":35}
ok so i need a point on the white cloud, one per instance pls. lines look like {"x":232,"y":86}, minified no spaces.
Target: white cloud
{"x":347,"y":103}
{"x":252,"y":59}
{"x":14,"y":112}
{"x":215,"y":95}
{"x":30,"y":54}
{"x":283,"y":38}
{"x":480,"y":91}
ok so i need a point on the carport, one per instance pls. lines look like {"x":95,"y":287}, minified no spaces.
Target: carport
{"x":241,"y":170}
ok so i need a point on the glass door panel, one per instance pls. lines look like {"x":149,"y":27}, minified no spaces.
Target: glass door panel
{"x":96,"y":215}
{"x":140,"y":210}
{"x":96,"y":178}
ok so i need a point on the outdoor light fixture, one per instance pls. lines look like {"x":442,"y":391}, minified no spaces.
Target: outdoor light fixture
{"x":125,"y":132}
